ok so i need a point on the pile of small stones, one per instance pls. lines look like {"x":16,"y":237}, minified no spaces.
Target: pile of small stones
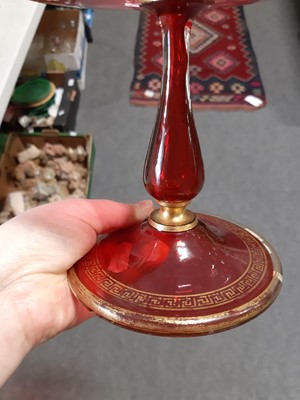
{"x":45,"y":175}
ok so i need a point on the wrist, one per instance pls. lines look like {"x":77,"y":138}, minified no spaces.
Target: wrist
{"x":14,"y":345}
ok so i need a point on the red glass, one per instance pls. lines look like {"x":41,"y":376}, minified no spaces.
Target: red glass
{"x":211,"y":277}
{"x":174,"y":167}
{"x":137,"y":3}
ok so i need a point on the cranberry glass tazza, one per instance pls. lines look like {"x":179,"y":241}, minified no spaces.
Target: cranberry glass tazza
{"x":178,"y":273}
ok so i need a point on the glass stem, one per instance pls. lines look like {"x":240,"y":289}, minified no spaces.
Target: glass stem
{"x":174,"y":171}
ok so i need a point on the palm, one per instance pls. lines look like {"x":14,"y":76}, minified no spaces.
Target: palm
{"x":50,"y":239}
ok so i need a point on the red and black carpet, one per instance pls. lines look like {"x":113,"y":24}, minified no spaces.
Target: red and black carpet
{"x":223,"y":68}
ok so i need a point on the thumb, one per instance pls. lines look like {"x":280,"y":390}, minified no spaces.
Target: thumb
{"x":67,"y":229}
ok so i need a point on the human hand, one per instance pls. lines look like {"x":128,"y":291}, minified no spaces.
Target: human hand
{"x":38,"y":247}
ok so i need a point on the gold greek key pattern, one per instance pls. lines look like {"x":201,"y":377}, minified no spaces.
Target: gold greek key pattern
{"x":253,"y":275}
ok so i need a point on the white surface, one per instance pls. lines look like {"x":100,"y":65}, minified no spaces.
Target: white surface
{"x":18,"y":22}
{"x":253,"y":100}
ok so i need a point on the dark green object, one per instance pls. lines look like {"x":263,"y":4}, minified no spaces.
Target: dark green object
{"x":41,"y":111}
{"x":3,"y":139}
{"x":31,"y":92}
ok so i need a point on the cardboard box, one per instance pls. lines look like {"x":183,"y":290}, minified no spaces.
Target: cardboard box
{"x":81,"y":74}
{"x":59,"y":78}
{"x":15,"y":143}
{"x":59,"y":44}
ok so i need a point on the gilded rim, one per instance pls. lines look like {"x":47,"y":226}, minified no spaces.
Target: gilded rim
{"x":176,"y":219}
{"x":173,"y":228}
{"x":183,"y":326}
{"x":46,"y":99}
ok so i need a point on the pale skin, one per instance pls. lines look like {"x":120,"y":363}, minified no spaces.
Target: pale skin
{"x":37,"y":249}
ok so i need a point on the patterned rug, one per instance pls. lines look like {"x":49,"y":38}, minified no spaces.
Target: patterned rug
{"x":223,"y":67}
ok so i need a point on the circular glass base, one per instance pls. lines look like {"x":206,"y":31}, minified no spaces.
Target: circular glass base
{"x":214,"y":277}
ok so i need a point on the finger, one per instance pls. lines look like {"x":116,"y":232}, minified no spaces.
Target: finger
{"x":66,"y":229}
{"x":101,"y":216}
{"x":82,"y":314}
{"x":104,"y":216}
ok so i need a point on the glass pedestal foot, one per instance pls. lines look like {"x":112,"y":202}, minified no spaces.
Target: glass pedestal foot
{"x":211,"y":278}
{"x":177,"y":274}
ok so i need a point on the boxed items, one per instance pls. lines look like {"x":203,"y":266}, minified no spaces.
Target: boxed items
{"x":41,"y":103}
{"x":59,"y":45}
{"x":44,"y":168}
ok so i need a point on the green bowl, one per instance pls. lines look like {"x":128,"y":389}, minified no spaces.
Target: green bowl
{"x":31,"y":91}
